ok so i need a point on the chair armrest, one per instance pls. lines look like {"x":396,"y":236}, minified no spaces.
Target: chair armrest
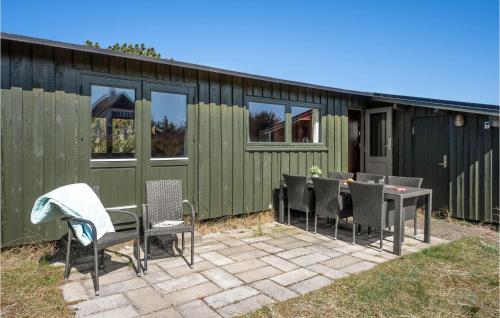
{"x":75,"y":219}
{"x":136,"y":218}
{"x":191,"y":207}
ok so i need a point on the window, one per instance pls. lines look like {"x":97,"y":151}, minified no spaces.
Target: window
{"x":168,"y":125}
{"x":305,"y":124}
{"x":266,"y":122}
{"x":378,"y":135}
{"x":112,"y":128}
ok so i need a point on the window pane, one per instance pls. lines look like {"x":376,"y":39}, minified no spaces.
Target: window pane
{"x":168,"y":125}
{"x":377,"y":135}
{"x":305,"y":124}
{"x":112,"y":126}
{"x":266,"y":122}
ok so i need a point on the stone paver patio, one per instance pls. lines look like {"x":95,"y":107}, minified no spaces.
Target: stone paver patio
{"x":235,"y":272}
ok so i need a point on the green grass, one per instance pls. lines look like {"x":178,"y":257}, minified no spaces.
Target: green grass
{"x":30,"y":286}
{"x":459,"y":279}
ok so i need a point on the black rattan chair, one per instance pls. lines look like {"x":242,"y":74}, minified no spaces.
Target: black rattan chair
{"x":330,"y":204}
{"x":164,"y":203}
{"x":409,"y":205}
{"x":368,"y":207}
{"x":368,"y":177}
{"x":107,"y":240}
{"x":340,"y":175}
{"x":298,"y":196}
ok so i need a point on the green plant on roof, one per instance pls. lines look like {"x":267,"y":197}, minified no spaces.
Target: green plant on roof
{"x":315,"y":171}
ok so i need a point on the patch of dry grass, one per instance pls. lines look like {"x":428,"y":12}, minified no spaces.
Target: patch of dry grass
{"x":30,"y":286}
{"x":235,"y":222}
{"x":459,"y":279}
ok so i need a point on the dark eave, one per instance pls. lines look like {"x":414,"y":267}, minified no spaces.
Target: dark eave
{"x":388,"y":98}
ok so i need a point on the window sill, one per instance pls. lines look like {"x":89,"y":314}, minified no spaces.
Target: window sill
{"x":285,"y":147}
{"x":113,"y":163}
{"x":164,"y":162}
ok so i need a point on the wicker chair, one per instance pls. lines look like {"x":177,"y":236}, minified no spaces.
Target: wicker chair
{"x":369,"y":207}
{"x":340,"y":175}
{"x":107,"y":240}
{"x":164,"y":203}
{"x":298,"y":196}
{"x":409,"y":205}
{"x":330,"y":204}
{"x":367,"y":177}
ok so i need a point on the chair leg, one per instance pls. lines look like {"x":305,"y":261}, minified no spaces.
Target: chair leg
{"x":288,"y":216}
{"x":415,"y":227}
{"x":381,"y":238}
{"x":182,"y":238}
{"x":353,"y":233}
{"x":67,"y":267}
{"x":192,"y":248}
{"x":146,"y":240}
{"x":336,"y":227}
{"x":315,"y":223}
{"x":369,"y":231}
{"x":138,"y":256}
{"x":96,"y":268}
{"x":307,"y":221}
{"x":359,"y":229}
{"x":101,"y":262}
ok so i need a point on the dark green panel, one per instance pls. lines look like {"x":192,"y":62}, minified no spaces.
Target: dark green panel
{"x":238,"y":146}
{"x":117,"y":185}
{"x":266,"y":179}
{"x":257,"y":181}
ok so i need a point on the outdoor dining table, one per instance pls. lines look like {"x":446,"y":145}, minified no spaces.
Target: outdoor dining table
{"x":390,"y":193}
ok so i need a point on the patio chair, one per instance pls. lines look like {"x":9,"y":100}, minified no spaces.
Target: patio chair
{"x":107,"y":240}
{"x":340,"y":175}
{"x":368,"y":207}
{"x":409,"y":205}
{"x":298,"y":196}
{"x":165,"y":204}
{"x":329,"y":202}
{"x":367,"y":177}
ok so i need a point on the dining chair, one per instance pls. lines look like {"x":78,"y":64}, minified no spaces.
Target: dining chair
{"x":409,"y":205}
{"x":368,"y":207}
{"x":298,"y":196}
{"x":164,"y":205}
{"x":340,"y":175}
{"x":330,"y":204}
{"x":367,"y":177}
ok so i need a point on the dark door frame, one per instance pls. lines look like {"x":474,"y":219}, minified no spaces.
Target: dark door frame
{"x":362,"y":139}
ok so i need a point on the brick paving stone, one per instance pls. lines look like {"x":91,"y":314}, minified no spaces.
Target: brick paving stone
{"x":284,"y":240}
{"x":309,"y":259}
{"x":342,"y":261}
{"x":230,"y":296}
{"x":205,"y":241}
{"x":307,"y":238}
{"x":293,"y":276}
{"x":279,"y":263}
{"x":236,"y":250}
{"x":121,"y":287}
{"x":169,"y":263}
{"x":256,"y":239}
{"x":210,"y":248}
{"x":75,"y":291}
{"x":267,"y":247}
{"x":327,"y":271}
{"x":310,"y":284}
{"x":175,"y":284}
{"x":165,"y":313}
{"x":293,"y":253}
{"x":232,"y":242}
{"x":320,"y":248}
{"x":248,"y":255}
{"x":156,"y":276}
{"x":186,"y":270}
{"x":296,"y":244}
{"x":368,"y":257}
{"x":335,"y":243}
{"x":258,"y":274}
{"x":99,"y":304}
{"x":111,"y":278}
{"x":197,"y":308}
{"x":217,"y":259}
{"x":146,"y":299}
{"x":191,"y":293}
{"x":274,"y":290}
{"x":358,"y":267}
{"x":348,"y":249}
{"x":243,"y":266}
{"x":222,"y":278}
{"x":246,"y":306}
{"x":122,"y":312}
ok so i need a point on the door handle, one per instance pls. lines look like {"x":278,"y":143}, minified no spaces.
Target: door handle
{"x":445,"y":162}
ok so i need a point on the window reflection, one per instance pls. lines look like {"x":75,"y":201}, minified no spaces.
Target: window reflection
{"x":168,"y":125}
{"x":266,"y":122}
{"x":305,"y":124}
{"x":112,"y":127}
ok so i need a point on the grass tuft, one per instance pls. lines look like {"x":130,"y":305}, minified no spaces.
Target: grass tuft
{"x":236,"y":222}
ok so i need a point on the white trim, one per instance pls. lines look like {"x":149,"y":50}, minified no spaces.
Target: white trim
{"x":122,"y":207}
{"x":169,"y":159}
{"x":113,"y":160}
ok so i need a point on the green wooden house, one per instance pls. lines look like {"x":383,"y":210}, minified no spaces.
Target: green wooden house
{"x":72,"y":113}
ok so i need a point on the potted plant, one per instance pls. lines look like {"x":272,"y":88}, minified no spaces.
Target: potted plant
{"x":315,"y":171}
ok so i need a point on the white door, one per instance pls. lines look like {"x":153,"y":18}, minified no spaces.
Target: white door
{"x":378,"y":141}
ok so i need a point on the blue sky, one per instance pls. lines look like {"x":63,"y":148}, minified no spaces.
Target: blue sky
{"x":443,"y":48}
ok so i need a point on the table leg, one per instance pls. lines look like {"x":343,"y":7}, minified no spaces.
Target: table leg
{"x":398,"y":229}
{"x":281,"y":211}
{"x":427,"y":226}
